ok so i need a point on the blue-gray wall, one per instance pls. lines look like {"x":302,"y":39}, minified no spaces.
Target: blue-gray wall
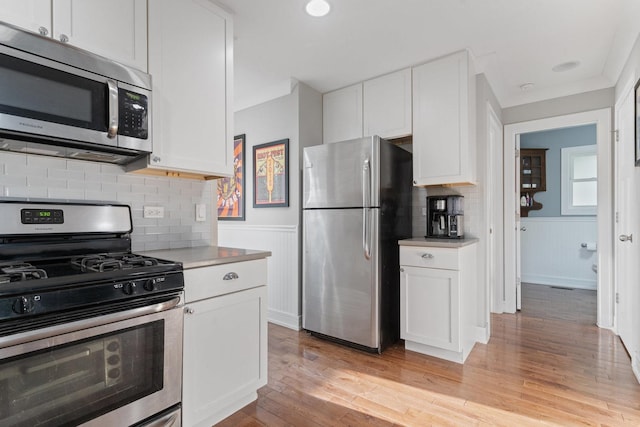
{"x":554,"y":140}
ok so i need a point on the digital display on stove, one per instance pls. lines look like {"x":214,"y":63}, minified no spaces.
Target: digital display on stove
{"x":42,"y":216}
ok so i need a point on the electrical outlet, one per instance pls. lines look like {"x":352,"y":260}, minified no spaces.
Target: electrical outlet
{"x":201,"y":212}
{"x":153,"y":212}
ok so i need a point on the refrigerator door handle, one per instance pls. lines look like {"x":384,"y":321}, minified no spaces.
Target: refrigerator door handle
{"x":366,"y":206}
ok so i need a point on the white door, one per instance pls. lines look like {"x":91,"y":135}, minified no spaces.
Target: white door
{"x":626,"y":255}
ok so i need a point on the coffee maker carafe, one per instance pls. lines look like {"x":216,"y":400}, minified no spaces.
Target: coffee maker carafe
{"x":445,"y":217}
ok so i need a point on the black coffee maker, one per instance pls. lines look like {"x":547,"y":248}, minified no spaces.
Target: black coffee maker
{"x":445,"y":217}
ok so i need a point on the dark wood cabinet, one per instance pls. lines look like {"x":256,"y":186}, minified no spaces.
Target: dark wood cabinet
{"x":533,"y":178}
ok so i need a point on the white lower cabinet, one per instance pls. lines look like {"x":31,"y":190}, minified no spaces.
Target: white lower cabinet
{"x":437,"y":300}
{"x":225,"y":340}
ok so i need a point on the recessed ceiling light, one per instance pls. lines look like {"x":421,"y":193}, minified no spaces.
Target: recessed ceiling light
{"x":566,"y":66}
{"x":526,"y":86}
{"x":318,"y":8}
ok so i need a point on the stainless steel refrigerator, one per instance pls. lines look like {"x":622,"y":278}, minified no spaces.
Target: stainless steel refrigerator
{"x":356,"y":206}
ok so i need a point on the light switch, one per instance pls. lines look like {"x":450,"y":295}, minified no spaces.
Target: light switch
{"x":201,"y":212}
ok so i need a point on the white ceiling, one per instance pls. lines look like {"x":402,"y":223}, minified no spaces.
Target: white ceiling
{"x":513,"y":41}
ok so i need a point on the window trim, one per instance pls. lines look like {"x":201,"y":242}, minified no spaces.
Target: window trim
{"x":567,"y":155}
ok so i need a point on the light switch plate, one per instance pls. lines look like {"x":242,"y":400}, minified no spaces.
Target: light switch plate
{"x":424,"y":211}
{"x":153,"y":212}
{"x":201,"y":212}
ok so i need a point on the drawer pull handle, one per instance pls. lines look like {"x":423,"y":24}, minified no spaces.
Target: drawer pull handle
{"x":230,"y":276}
{"x":427,"y":256}
{"x":189,"y":310}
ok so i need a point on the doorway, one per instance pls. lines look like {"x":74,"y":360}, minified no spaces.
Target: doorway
{"x":512,"y":224}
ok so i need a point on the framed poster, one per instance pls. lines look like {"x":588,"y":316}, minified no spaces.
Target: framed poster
{"x":271,"y":174}
{"x":636,"y":121}
{"x":231,"y":204}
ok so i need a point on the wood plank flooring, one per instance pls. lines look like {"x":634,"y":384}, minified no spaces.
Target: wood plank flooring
{"x":547,"y":365}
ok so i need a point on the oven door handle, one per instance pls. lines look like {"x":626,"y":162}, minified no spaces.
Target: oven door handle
{"x":74,"y":326}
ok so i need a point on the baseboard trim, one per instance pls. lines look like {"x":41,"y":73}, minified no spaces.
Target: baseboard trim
{"x":482,"y":334}
{"x":287,"y":320}
{"x":564,"y":282}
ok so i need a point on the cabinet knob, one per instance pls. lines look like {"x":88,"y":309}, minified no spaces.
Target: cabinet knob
{"x":427,"y":256}
{"x":230,"y":276}
{"x":43,"y":31}
{"x":189,"y":310}
{"x":415,"y":182}
{"x":155,"y":159}
{"x":401,"y":270}
{"x":64,"y":38}
{"x":626,"y":237}
{"x":523,"y":228}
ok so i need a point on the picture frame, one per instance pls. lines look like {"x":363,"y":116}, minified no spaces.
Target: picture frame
{"x":636,"y":116}
{"x":231,"y":191}
{"x":271,"y":174}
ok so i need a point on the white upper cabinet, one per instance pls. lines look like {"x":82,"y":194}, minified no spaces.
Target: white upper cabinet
{"x":191,"y":61}
{"x":342,"y":114}
{"x":387,"y":105}
{"x":380,"y":106}
{"x":444,"y":148}
{"x":116,"y":29}
{"x":32,"y":15}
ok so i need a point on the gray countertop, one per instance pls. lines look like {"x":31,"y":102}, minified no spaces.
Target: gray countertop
{"x":437,"y":243}
{"x":204,"y":256}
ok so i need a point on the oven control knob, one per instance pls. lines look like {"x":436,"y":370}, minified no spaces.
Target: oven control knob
{"x":150,"y":285}
{"x":24,"y":305}
{"x":129,"y":288}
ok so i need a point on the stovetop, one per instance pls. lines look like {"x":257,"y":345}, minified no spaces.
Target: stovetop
{"x":81,"y":263}
{"x":36,"y":275}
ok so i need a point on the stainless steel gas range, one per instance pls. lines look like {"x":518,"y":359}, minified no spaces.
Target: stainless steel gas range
{"x":90,"y":333}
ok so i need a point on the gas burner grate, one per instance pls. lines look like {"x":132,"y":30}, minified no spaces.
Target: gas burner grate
{"x":17,"y":272}
{"x":111,"y":262}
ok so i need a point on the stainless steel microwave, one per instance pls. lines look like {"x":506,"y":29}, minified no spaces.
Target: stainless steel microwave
{"x":58,"y":100}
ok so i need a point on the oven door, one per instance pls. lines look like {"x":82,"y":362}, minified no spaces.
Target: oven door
{"x":116,"y":369}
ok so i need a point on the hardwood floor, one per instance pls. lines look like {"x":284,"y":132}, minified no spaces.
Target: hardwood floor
{"x":542,"y":366}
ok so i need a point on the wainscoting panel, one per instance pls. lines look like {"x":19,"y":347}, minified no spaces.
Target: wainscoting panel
{"x":551,"y":251}
{"x":283,"y":285}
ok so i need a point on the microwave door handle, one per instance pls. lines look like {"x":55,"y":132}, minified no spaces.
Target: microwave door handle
{"x":112,"y":131}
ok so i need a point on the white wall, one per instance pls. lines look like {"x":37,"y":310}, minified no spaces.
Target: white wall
{"x":298,"y":117}
{"x":552,"y":253}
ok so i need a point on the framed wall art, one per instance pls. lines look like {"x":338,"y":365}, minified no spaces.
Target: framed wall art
{"x":231,"y":198}
{"x":271,"y":174}
{"x":636,"y":121}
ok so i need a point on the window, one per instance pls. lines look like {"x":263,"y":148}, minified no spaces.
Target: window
{"x":579,"y":180}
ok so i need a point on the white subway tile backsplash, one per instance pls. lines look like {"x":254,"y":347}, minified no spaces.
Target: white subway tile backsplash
{"x":23,"y":175}
{"x":76,"y":165}
{"x":65,"y":194}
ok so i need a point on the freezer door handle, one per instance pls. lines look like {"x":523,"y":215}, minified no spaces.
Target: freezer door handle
{"x":366,"y":205}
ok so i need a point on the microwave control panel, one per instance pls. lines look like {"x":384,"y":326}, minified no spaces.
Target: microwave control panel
{"x":133,"y":113}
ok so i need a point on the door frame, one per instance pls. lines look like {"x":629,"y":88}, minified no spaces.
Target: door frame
{"x":602,"y":119}
{"x":494,"y":275}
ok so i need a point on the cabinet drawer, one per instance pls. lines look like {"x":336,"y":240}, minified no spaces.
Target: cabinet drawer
{"x":215,"y":280}
{"x":445,"y":258}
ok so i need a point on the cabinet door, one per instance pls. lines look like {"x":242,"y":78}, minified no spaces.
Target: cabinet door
{"x":32,"y":15}
{"x":442,"y":96}
{"x":342,"y":114}
{"x":387,"y":105}
{"x":225,"y":353}
{"x":116,"y":29}
{"x":429,"y":307}
{"x":190,"y":59}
